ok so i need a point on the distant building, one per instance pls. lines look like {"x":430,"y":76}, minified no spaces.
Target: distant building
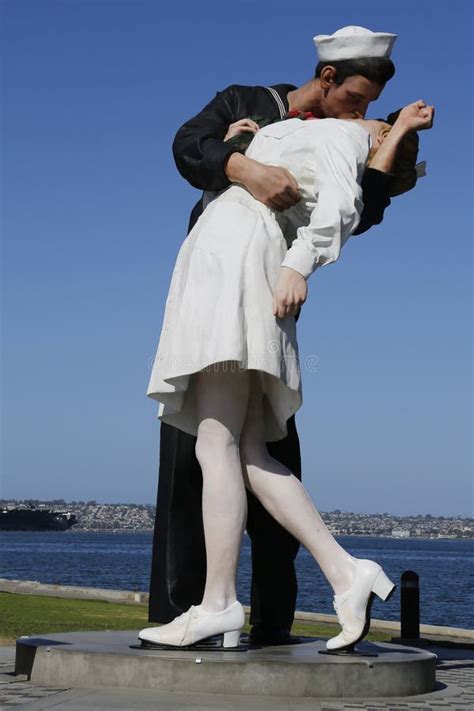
{"x":401,"y":532}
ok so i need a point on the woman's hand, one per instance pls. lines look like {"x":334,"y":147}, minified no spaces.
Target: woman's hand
{"x":290,"y":292}
{"x":415,"y":117}
{"x":241,"y":126}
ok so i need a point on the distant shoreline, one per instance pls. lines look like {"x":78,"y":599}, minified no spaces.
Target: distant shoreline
{"x":347,"y":535}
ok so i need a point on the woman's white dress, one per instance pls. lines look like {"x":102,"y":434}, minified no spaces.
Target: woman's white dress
{"x":219,"y":305}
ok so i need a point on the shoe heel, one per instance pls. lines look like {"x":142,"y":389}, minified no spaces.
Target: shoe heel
{"x":231,"y":639}
{"x":383,"y":586}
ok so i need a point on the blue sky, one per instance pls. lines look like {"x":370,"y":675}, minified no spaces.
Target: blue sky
{"x":94,"y":212}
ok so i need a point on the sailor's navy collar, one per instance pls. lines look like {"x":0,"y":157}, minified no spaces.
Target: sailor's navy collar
{"x":279,"y":93}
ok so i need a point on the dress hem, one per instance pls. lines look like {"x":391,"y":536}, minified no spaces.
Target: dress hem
{"x":173,"y":411}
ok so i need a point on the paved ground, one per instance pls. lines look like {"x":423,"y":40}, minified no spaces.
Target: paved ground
{"x":455,"y":675}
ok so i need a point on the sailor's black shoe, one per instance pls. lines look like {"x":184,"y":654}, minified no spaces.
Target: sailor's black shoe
{"x":263,"y":636}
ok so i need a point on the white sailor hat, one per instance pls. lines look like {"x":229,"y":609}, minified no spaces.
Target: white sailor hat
{"x":353,"y":42}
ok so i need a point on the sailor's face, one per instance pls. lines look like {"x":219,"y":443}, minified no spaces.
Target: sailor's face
{"x":351,"y":98}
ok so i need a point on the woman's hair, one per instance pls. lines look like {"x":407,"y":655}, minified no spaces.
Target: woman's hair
{"x":404,"y":167}
{"x":376,"y":69}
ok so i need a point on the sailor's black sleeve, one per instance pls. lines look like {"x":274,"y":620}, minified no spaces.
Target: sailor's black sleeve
{"x":376,"y":197}
{"x":199,"y":151}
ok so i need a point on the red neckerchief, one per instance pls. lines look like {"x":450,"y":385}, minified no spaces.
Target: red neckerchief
{"x":303,"y":115}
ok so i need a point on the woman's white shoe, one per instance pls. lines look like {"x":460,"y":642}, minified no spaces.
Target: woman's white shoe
{"x":196,"y":625}
{"x":353,"y":606}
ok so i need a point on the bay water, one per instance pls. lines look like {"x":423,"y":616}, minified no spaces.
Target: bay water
{"x":122,"y":561}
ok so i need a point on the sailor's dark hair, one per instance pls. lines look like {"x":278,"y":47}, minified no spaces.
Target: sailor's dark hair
{"x":377,"y":69}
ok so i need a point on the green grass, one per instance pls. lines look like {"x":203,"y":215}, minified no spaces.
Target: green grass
{"x":37,"y":614}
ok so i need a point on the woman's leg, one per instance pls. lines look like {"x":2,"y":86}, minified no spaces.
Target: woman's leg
{"x":284,"y":496}
{"x":222,"y":395}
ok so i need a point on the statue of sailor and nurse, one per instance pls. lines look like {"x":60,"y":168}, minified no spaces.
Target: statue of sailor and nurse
{"x":289,"y":174}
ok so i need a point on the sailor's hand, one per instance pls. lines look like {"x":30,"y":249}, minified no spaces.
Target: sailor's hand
{"x":273,"y":185}
{"x":415,"y":117}
{"x":241,"y":126}
{"x":290,"y":292}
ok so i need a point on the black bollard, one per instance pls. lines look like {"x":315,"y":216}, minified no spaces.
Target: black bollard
{"x":410,"y":606}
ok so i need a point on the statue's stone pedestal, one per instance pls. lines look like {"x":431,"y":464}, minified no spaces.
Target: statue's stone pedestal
{"x":105,"y":659}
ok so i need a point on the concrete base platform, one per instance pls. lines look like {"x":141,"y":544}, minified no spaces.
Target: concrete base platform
{"x":98,"y":659}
